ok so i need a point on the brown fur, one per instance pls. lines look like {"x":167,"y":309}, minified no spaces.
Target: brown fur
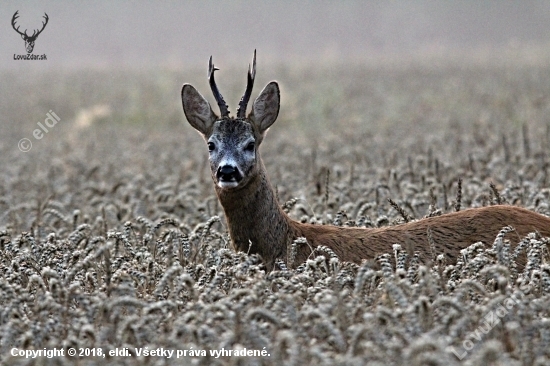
{"x":253,"y":216}
{"x":258,"y":225}
{"x":451,"y":233}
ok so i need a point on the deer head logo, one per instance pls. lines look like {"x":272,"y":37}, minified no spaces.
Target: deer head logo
{"x":29,"y":40}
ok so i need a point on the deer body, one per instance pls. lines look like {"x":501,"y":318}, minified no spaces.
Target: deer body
{"x":257,"y":224}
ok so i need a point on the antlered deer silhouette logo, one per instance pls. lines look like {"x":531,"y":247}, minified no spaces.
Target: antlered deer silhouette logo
{"x":29,"y":40}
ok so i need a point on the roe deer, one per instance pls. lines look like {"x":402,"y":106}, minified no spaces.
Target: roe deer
{"x":257,"y":224}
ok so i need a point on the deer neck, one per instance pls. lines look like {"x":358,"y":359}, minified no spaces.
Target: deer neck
{"x":256,"y":222}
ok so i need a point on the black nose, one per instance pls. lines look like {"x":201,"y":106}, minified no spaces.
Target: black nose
{"x":228,"y":173}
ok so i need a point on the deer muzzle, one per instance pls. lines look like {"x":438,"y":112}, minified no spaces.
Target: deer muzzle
{"x":228,"y":174}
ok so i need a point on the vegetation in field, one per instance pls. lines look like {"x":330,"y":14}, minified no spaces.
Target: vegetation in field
{"x":111,"y":236}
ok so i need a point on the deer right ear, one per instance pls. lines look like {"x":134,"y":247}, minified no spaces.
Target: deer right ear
{"x":197,"y":109}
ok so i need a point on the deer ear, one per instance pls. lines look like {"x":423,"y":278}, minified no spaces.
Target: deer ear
{"x":197,"y":110}
{"x":266,"y":107}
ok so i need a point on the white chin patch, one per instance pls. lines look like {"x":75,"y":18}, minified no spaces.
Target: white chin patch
{"x":227,"y":184}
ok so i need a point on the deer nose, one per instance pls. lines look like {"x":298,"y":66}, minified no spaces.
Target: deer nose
{"x":228,"y":173}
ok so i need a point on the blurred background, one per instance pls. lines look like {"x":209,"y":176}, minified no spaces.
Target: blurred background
{"x":373,"y":91}
{"x":179,"y":33}
{"x":418,"y":71}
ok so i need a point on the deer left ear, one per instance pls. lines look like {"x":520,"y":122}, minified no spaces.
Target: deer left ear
{"x":197,"y":109}
{"x":266,"y":107}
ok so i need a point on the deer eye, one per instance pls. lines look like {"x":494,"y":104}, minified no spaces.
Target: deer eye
{"x":211,"y":146}
{"x":250,"y":146}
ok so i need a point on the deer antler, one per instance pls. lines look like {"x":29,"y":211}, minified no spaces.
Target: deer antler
{"x":15,"y":16}
{"x":43,"y":26}
{"x":249,"y":85}
{"x":224,"y":110}
{"x":35,"y":33}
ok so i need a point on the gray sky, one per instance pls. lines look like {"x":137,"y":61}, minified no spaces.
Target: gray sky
{"x":179,"y":33}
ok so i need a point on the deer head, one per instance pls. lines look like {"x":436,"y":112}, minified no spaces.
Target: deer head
{"x":233,"y":142}
{"x":29,"y":40}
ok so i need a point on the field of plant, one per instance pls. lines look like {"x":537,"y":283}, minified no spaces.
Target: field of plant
{"x":113,"y":244}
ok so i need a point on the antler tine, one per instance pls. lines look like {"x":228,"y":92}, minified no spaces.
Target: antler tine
{"x":13,"y":19}
{"x":224,"y":109}
{"x":249,"y":85}
{"x":43,"y":24}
